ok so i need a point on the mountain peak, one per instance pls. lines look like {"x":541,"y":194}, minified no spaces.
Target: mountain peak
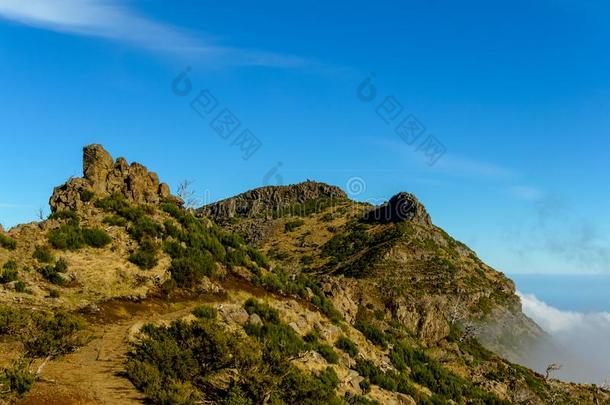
{"x":401,"y":207}
{"x":102,"y":176}
{"x":267,"y":200}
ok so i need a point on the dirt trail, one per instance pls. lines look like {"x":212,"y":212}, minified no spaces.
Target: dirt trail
{"x":91,"y":375}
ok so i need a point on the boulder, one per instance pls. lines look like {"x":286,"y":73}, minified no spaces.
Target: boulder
{"x":401,"y":207}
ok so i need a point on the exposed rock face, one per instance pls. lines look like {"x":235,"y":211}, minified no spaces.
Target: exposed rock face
{"x":265,"y":201}
{"x":104,"y":176}
{"x":401,"y":207}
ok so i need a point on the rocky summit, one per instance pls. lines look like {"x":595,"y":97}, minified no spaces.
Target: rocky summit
{"x":401,"y":207}
{"x":102,"y":176}
{"x":282,"y":295}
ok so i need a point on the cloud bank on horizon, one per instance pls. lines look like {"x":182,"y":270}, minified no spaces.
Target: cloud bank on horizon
{"x":110,"y":19}
{"x":579,"y":341}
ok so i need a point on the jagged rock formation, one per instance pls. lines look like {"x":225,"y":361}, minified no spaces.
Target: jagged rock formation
{"x":401,"y":207}
{"x":265,"y":202}
{"x":104,"y":176}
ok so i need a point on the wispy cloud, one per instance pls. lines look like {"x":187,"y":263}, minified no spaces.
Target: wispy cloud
{"x":473,"y":167}
{"x":527,"y":193}
{"x":111,"y":19}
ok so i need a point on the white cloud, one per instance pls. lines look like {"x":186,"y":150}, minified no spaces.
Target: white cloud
{"x":555,"y":321}
{"x":579,"y":341}
{"x":112,"y":20}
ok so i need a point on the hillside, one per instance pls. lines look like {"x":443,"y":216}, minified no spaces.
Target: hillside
{"x":291,"y":294}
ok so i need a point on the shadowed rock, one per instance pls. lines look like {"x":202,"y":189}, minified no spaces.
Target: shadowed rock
{"x":104,"y":176}
{"x":401,"y":207}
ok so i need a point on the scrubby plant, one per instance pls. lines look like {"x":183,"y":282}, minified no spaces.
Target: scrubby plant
{"x":349,"y":347}
{"x":204,"y":312}
{"x":115,"y":220}
{"x":17,"y":379}
{"x":86,"y":195}
{"x":67,"y":237}
{"x":43,"y":254}
{"x":65,"y":215}
{"x":20,"y":287}
{"x":96,"y":237}
{"x":9,"y":272}
{"x":292,"y":225}
{"x":145,"y":257}
{"x":7,"y":242}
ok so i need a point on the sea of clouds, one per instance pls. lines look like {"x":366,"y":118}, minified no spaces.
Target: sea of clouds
{"x":580,"y":341}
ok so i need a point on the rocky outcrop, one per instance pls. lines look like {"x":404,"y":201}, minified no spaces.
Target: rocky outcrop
{"x":267,"y":202}
{"x":401,"y":207}
{"x":102,"y":176}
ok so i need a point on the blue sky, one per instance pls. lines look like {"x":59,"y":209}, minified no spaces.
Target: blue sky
{"x":517,"y":92}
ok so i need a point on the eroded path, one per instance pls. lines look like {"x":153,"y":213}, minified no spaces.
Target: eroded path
{"x":92,"y":374}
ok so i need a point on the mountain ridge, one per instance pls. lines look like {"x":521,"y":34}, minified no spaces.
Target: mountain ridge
{"x":355,"y":302}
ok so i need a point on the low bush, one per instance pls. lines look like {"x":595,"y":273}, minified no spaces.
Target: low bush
{"x":292,"y":225}
{"x":115,"y":220}
{"x":188,"y":270}
{"x":20,"y":287}
{"x":96,"y":237}
{"x":9,"y":272}
{"x":204,"y":312}
{"x":328,"y":353}
{"x":68,"y":236}
{"x":86,"y":195}
{"x":16,"y":379}
{"x":43,"y":255}
{"x":65,"y":215}
{"x":54,"y":294}
{"x":146,"y":255}
{"x":145,"y":227}
{"x":372,"y":333}
{"x":349,"y":347}
{"x":7,"y":242}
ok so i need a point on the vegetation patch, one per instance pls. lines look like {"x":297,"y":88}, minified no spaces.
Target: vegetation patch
{"x":200,"y":361}
{"x":43,"y":335}
{"x":9,"y":272}
{"x":43,"y":255}
{"x":7,"y":242}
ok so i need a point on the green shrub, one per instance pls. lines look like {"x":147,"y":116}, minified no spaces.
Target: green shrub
{"x":20,"y":287}
{"x":17,"y":379}
{"x":259,"y":258}
{"x":188,"y":270}
{"x":96,"y":237}
{"x":9,"y":272}
{"x":43,"y":255}
{"x":65,"y":215}
{"x":61,"y":265}
{"x":349,"y":347}
{"x":54,"y":293}
{"x":204,"y":312}
{"x":146,"y":255}
{"x":372,"y":333}
{"x":52,"y":275}
{"x":292,"y":225}
{"x":86,"y":195}
{"x":67,"y":237}
{"x":145,"y":227}
{"x":115,"y":220}
{"x":365,"y":385}
{"x":328,"y":354}
{"x":7,"y":242}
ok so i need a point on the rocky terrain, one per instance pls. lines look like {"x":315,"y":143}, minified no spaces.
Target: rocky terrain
{"x":290,"y":294}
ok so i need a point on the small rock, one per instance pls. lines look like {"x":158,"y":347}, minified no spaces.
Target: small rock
{"x":254,"y":319}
